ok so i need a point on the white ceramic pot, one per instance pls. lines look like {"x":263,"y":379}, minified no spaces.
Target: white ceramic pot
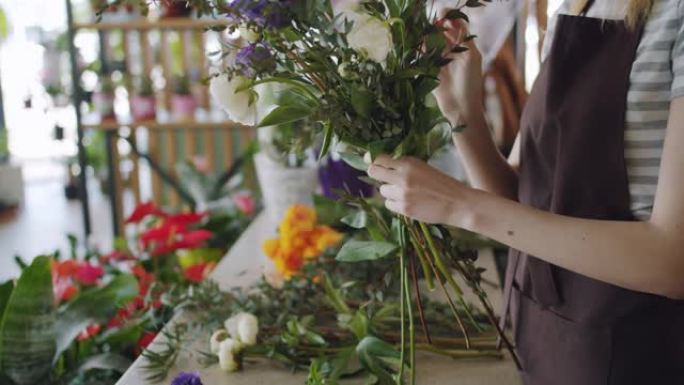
{"x":282,"y":187}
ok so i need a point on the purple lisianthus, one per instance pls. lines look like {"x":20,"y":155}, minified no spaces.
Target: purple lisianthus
{"x":187,"y":378}
{"x":255,"y":58}
{"x":265,"y":13}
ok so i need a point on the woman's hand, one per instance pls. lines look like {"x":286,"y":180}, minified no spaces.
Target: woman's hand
{"x":417,"y":190}
{"x":460,"y":93}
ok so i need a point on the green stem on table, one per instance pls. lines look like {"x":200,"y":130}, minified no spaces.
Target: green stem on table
{"x":459,"y":354}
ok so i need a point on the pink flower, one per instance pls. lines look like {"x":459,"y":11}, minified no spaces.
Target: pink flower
{"x":202,"y":165}
{"x":87,"y":274}
{"x":244,"y":203}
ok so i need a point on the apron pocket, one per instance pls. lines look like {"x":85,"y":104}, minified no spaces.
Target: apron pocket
{"x":557,"y":351}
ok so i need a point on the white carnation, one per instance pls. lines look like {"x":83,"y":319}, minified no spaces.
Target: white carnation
{"x":243,"y":327}
{"x":370,"y":36}
{"x":216,"y":339}
{"x":226,"y":355}
{"x":236,"y":104}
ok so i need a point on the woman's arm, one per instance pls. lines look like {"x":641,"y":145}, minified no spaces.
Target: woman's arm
{"x":459,"y":96}
{"x":643,"y":256}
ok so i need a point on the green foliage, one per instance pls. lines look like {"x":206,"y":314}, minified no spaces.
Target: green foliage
{"x":356,"y":251}
{"x":27,"y":329}
{"x":4,"y":145}
{"x":95,"y":306}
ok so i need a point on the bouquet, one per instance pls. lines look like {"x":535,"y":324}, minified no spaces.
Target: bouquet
{"x":361,"y":72}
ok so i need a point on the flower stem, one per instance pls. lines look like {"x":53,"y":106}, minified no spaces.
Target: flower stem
{"x":402,"y":310}
{"x":412,"y":331}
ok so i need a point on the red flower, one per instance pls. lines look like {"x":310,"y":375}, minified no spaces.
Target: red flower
{"x":142,"y":211}
{"x":90,"y":331}
{"x":165,"y":232}
{"x":145,"y":279}
{"x":64,"y":269}
{"x":185,"y":219}
{"x":193,"y":239}
{"x":244,"y":203}
{"x":144,"y":341}
{"x":87,"y":274}
{"x":64,"y":290}
{"x":115,"y":256}
{"x":198,"y":272}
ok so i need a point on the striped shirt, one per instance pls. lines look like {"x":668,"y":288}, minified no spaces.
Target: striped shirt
{"x":657,"y":78}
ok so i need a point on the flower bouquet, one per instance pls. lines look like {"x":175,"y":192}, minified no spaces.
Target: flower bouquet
{"x":362,"y":73}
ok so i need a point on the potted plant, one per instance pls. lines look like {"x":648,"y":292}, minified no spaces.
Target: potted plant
{"x":183,"y":102}
{"x":143,"y":101}
{"x":103,"y":98}
{"x":175,"y":8}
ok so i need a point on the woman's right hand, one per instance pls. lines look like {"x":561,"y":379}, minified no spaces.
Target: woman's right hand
{"x":460,"y":92}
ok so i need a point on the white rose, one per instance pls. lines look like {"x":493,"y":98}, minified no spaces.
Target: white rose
{"x":226,"y":355}
{"x":216,"y":339}
{"x":236,"y":104}
{"x":243,"y":327}
{"x":344,"y":6}
{"x":370,"y":36}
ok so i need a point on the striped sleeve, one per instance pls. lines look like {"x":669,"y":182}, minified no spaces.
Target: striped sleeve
{"x":678,"y":57}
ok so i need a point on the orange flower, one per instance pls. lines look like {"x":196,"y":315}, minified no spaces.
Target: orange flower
{"x":301,"y":239}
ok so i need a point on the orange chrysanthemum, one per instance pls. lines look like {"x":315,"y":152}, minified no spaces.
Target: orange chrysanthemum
{"x":301,"y":239}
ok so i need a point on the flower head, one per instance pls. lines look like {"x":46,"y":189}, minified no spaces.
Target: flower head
{"x":244,"y":328}
{"x":187,"y":378}
{"x":255,"y":58}
{"x":234,"y":100}
{"x":245,"y":203}
{"x":142,"y":211}
{"x":87,"y":274}
{"x":216,"y":339}
{"x":198,"y":272}
{"x":228,"y":348}
{"x":264,"y":13}
{"x":371,"y":37}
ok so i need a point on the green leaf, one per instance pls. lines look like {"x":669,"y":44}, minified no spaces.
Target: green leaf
{"x":354,"y":160}
{"x":327,"y":139}
{"x":96,"y":306}
{"x":285,"y":114}
{"x":362,"y":101}
{"x":329,"y":211}
{"x":27,"y":331}
{"x":359,"y":325}
{"x":5,"y":293}
{"x":357,"y":251}
{"x":356,"y":220}
{"x":375,"y":354}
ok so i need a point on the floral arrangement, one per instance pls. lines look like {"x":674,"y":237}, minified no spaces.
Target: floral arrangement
{"x":84,"y":317}
{"x":301,"y":239}
{"x":362,"y":74}
{"x":334,"y":320}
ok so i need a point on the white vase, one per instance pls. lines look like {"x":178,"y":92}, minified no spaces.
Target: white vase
{"x":282,"y":187}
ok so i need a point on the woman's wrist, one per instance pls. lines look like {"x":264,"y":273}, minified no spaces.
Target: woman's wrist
{"x":465,"y":208}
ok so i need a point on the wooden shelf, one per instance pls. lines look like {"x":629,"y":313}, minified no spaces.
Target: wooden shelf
{"x":155,"y":125}
{"x":144,"y":24}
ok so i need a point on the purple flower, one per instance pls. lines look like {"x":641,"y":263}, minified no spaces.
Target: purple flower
{"x":255,"y":58}
{"x":265,"y":13}
{"x":186,"y":378}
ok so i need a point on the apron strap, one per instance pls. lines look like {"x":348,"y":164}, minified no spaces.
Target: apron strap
{"x":586,"y":7}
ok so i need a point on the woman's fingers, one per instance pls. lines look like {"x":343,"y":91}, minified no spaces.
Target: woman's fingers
{"x":383,"y":174}
{"x":391,"y":192}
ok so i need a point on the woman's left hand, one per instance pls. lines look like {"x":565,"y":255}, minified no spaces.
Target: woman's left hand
{"x":417,"y":190}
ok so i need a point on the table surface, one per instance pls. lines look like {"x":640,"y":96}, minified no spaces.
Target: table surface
{"x":245,"y":262}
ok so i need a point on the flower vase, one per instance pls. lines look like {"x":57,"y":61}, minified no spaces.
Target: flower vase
{"x":183,"y":107}
{"x":143,"y":108}
{"x":282,"y":187}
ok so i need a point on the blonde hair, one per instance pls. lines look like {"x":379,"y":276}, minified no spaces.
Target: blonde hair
{"x":637,"y":10}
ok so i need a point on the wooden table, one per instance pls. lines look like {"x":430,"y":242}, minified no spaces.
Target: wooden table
{"x":245,"y":263}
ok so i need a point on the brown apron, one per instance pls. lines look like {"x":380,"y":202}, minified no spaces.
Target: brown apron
{"x":571,"y":329}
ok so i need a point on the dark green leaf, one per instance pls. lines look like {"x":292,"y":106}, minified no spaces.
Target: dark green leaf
{"x":357,"y":251}
{"x":362,"y":101}
{"x":96,"y":306}
{"x":327,"y":139}
{"x":27,"y":330}
{"x":285,"y":114}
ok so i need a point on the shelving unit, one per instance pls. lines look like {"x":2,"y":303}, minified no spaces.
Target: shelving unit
{"x":146,"y":46}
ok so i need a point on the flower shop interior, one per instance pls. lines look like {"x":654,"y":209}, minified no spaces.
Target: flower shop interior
{"x":149,"y":234}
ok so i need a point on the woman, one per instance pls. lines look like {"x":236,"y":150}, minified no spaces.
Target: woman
{"x":591,"y":198}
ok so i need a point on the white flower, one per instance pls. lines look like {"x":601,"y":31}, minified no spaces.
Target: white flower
{"x":370,"y":36}
{"x":236,"y":104}
{"x":244,"y":328}
{"x":216,"y":339}
{"x":226,"y":355}
{"x":344,"y":6}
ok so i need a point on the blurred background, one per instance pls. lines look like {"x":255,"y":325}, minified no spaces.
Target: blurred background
{"x":99,"y":117}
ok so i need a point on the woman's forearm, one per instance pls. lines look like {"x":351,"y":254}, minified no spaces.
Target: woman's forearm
{"x":486,"y":167}
{"x":641,"y":256}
